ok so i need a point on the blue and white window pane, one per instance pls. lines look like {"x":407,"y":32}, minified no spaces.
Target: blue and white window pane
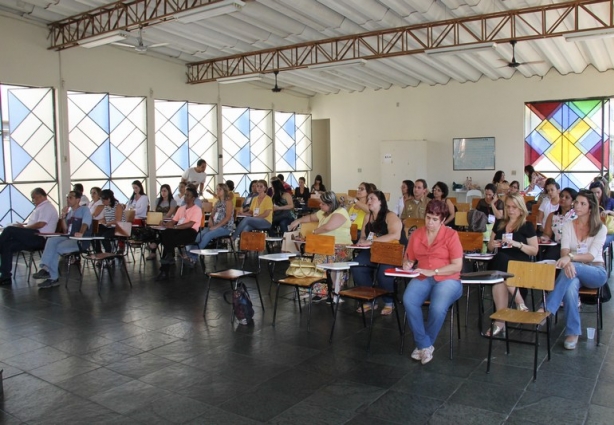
{"x":293,"y":145}
{"x":28,"y":155}
{"x":185,"y":133}
{"x":107,"y":141}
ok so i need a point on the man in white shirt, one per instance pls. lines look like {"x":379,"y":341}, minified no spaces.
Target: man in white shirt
{"x":196,"y":175}
{"x":17,"y":237}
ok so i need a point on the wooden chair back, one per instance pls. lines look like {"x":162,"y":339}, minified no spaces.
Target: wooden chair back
{"x":528,"y":199}
{"x":531,"y":275}
{"x":352,"y":193}
{"x":474,"y":203}
{"x":307,"y":228}
{"x":320,"y":244}
{"x":341,"y":196}
{"x":534,"y":209}
{"x":130,"y":215}
{"x":313,"y":203}
{"x":239,"y":201}
{"x":532,"y":218}
{"x":95,"y":224}
{"x":354,"y":232}
{"x":252,"y":241}
{"x":154,"y":218}
{"x":413,"y":222}
{"x":460,"y":219}
{"x":387,"y":253}
{"x":463,"y":206}
{"x":471,"y":241}
{"x":207,"y":207}
{"x":387,"y":196}
{"x":453,"y":200}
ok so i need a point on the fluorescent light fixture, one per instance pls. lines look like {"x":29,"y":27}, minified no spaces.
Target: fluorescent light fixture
{"x":240,"y":79}
{"x":338,"y":65}
{"x":209,"y":11}
{"x":589,"y":35}
{"x":102,"y":39}
{"x":455,"y":50}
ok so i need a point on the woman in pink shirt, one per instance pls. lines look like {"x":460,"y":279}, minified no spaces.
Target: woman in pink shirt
{"x":437,"y":252}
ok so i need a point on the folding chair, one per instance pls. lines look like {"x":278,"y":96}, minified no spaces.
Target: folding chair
{"x":531,"y":276}
{"x":251,"y":242}
{"x":315,"y":244}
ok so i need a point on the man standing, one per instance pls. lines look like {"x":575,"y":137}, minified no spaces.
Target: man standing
{"x":181,"y":230}
{"x":416,"y":207}
{"x":196,"y":175}
{"x":44,"y":219}
{"x":76,"y":220}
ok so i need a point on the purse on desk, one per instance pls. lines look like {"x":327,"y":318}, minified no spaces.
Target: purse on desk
{"x":304,"y":268}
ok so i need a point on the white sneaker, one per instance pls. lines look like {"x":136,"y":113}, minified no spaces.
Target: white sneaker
{"x":416,"y":354}
{"x":427,"y":354}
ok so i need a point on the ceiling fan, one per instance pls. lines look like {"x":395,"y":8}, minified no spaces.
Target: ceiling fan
{"x":141,"y":47}
{"x":514,"y":63}
{"x":276,"y":89}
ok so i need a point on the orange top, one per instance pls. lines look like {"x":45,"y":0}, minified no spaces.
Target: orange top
{"x":445,"y":248}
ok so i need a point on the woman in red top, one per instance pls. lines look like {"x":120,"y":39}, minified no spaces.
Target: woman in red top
{"x":439,"y":256}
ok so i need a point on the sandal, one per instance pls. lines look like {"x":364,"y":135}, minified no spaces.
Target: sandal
{"x":366,"y":307}
{"x":497,"y":330}
{"x":387,"y":310}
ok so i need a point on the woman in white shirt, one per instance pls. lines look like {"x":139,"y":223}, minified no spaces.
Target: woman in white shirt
{"x":549,"y":204}
{"x":581,"y":263}
{"x":95,"y":205}
{"x":139,"y":202}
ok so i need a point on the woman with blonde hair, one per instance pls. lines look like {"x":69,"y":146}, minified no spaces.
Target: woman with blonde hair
{"x":513,"y":238}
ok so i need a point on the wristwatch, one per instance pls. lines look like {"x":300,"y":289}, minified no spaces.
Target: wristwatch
{"x":570,"y":255}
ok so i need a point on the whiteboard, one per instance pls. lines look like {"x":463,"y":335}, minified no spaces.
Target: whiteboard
{"x":474,"y":153}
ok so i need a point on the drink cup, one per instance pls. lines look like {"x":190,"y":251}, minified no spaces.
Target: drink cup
{"x":590,"y":333}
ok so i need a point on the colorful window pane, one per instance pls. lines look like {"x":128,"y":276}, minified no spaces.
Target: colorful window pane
{"x":569,"y":140}
{"x":292,"y":146}
{"x":27,"y":151}
{"x":185,"y":133}
{"x":108,"y":141}
{"x":248,"y":145}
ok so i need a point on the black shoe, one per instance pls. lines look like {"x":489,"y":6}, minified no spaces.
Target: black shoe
{"x":6,"y":280}
{"x":161,"y":276}
{"x":49,"y":283}
{"x":167,"y":260}
{"x":41,"y":274}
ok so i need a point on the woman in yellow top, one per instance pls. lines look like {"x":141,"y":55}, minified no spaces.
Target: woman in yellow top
{"x":333,"y":220}
{"x":260,"y":212}
{"x":358,"y":206}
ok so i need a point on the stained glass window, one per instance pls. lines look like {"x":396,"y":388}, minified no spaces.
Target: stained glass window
{"x":293,"y":146}
{"x":248,"y":145}
{"x":27,"y":151}
{"x":569,"y":140}
{"x":108,"y":141}
{"x":185,"y":133}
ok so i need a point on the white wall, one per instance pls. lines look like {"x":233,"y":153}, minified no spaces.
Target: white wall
{"x":360,"y":121}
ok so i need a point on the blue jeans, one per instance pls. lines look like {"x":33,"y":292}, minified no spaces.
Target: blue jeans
{"x":51,"y":255}
{"x":441,"y":294}
{"x":204,"y":237}
{"x":249,"y":224}
{"x":566,"y":289}
{"x":363,"y":276}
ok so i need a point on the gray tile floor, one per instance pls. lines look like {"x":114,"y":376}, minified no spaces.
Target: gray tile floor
{"x":146,"y":355}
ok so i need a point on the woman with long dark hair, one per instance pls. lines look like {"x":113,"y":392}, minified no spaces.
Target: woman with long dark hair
{"x":318,"y":186}
{"x":382,"y":225}
{"x":407,"y":192}
{"x":283,"y":207}
{"x":581,"y":263}
{"x":138,"y":201}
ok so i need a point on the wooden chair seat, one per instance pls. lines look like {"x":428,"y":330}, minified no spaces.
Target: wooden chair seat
{"x":100,"y":256}
{"x":592,"y":292}
{"x":517,"y":316}
{"x":363,"y":293}
{"x":302,"y":282}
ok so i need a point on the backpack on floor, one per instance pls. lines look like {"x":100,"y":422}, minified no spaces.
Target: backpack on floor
{"x":242,"y":304}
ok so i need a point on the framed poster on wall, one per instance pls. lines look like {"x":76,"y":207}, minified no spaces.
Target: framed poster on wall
{"x":474,"y":153}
